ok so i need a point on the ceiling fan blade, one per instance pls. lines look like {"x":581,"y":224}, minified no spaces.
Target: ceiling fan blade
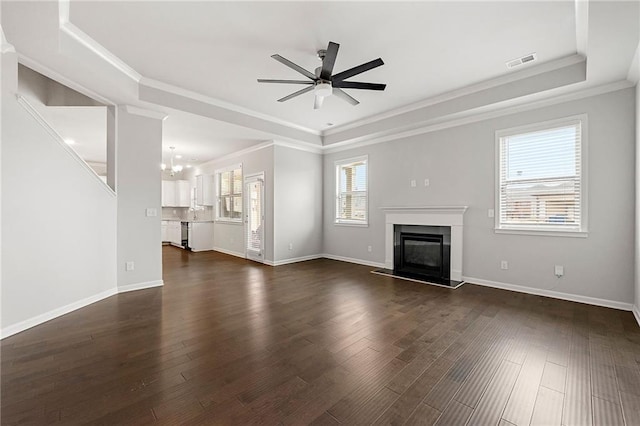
{"x":294,"y":94}
{"x":345,"y":96}
{"x":359,"y":85}
{"x":267,"y":80}
{"x":293,"y":66}
{"x":357,"y":70}
{"x":317,"y":103}
{"x":329,"y":61}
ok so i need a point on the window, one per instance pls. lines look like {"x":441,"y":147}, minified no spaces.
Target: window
{"x":352,"y":191}
{"x":541,"y":188}
{"x":229,"y":189}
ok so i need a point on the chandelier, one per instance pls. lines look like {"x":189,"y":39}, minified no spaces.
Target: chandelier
{"x":174,"y":168}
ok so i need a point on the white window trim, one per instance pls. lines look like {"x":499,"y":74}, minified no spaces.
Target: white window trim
{"x":550,"y":231}
{"x":217,"y":173}
{"x":348,"y":222}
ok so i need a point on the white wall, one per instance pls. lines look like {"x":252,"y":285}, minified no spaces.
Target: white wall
{"x":460,"y":165}
{"x":297,"y":203}
{"x":138,"y":184}
{"x":58,"y":221}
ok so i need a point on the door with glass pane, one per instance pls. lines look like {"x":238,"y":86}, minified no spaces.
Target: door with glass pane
{"x":254,"y":216}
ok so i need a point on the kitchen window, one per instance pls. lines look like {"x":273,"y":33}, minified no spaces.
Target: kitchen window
{"x":229,"y":191}
{"x":541,"y":185}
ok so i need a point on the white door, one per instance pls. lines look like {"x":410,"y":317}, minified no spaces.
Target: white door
{"x":254,"y":216}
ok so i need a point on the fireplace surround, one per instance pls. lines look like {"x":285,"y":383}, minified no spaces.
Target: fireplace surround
{"x":450,"y":217}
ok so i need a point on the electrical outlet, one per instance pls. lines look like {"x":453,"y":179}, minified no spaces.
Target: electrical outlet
{"x":129,"y":266}
{"x":504,"y":265}
{"x":290,"y":246}
{"x":490,"y":213}
{"x":559,"y":270}
{"x":369,"y":249}
{"x":426,"y":182}
{"x":413,"y":183}
{"x":151,"y":212}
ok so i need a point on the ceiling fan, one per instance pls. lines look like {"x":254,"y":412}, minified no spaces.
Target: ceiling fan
{"x":323,"y":83}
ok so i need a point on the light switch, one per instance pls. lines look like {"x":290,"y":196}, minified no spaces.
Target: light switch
{"x":413,"y":183}
{"x":426,"y":182}
{"x":490,"y":213}
{"x":151,"y":212}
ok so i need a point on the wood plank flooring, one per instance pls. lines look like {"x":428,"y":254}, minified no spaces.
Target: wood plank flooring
{"x":228,"y":341}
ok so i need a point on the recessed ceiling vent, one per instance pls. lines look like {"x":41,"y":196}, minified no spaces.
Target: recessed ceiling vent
{"x":521,"y":61}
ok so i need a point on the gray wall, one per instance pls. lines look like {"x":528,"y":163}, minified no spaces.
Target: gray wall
{"x":138,"y":183}
{"x":460,"y":165}
{"x":637,"y":234}
{"x":229,"y":237}
{"x":297,"y":203}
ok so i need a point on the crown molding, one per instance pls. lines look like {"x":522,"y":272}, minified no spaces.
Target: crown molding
{"x":634,"y":69}
{"x":83,"y":38}
{"x":477,"y":115}
{"x":464,"y":91}
{"x":158,"y":115}
{"x":5,"y":46}
{"x":176,"y":90}
{"x":233,"y":155}
{"x":300,"y":146}
{"x":54,"y":75}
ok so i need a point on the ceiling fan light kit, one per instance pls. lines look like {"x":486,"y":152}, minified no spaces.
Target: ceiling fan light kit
{"x":324,"y":83}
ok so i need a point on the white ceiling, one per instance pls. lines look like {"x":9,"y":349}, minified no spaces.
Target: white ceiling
{"x":199,"y":139}
{"x":219,"y":49}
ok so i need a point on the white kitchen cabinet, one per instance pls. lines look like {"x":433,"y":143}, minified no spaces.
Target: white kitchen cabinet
{"x":174,"y":232}
{"x":164,"y":225}
{"x":168,"y":193}
{"x":176,"y":193}
{"x":183,"y":193}
{"x":204,"y":190}
{"x":201,"y":236}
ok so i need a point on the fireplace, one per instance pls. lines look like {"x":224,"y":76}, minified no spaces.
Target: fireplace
{"x":434,"y":255}
{"x":423,"y":252}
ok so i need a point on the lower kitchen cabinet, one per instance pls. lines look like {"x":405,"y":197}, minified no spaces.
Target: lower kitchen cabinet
{"x":201,"y":236}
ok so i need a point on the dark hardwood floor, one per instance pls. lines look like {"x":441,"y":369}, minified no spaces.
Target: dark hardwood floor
{"x":228,"y":341}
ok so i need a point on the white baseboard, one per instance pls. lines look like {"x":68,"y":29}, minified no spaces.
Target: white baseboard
{"x":353,"y":260}
{"x":54,"y":313}
{"x":230,"y":252}
{"x":636,"y":313}
{"x":293,"y":260}
{"x":140,"y":286}
{"x":550,"y":293}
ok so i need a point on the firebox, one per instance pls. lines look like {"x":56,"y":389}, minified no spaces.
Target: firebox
{"x":423,"y":252}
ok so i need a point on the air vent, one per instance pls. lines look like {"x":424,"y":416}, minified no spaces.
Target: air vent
{"x":521,"y":61}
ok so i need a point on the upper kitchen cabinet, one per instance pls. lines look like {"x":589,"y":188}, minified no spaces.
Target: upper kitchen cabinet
{"x":176,"y":193}
{"x":204,"y":190}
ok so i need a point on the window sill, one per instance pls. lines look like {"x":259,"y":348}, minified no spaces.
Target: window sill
{"x":543,"y":233}
{"x":352,"y":224}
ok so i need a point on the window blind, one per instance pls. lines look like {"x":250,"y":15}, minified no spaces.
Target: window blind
{"x":541,"y":179}
{"x":352,"y":191}
{"x":230,"y":194}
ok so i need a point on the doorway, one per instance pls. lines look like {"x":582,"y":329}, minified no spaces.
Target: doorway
{"x":254,"y":217}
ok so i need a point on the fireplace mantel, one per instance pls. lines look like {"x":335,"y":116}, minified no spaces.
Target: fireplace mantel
{"x":427,"y":215}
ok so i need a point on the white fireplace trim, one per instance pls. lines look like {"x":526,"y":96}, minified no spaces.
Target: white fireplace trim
{"x":430,"y":216}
